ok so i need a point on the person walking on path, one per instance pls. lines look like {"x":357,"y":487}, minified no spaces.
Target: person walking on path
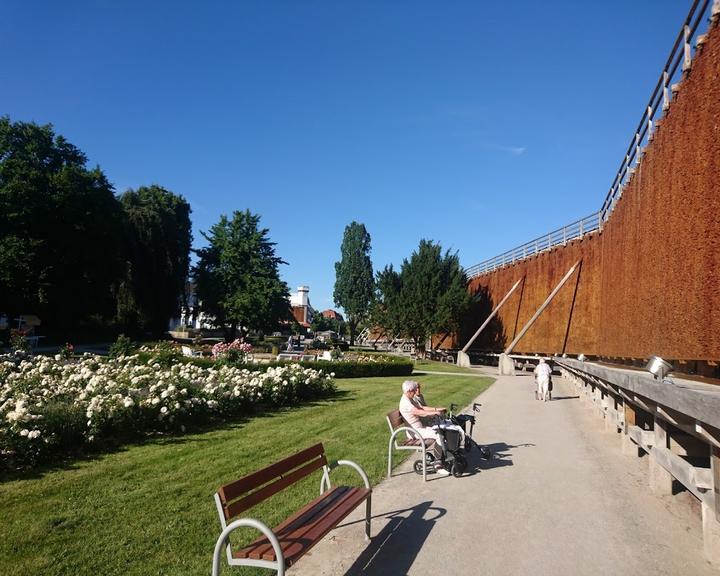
{"x":542,"y":379}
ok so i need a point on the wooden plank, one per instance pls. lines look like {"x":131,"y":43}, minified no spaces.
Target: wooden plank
{"x":303,"y":530}
{"x":629,"y":415}
{"x":682,"y":471}
{"x":247,"y":483}
{"x":247,"y":502}
{"x":715,"y":467}
{"x":643,"y":438}
{"x":709,"y":433}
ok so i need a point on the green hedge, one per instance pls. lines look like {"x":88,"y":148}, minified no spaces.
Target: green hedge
{"x":363,"y":369}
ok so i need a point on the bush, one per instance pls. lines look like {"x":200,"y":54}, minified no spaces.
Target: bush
{"x":48,"y":407}
{"x":123,"y":346}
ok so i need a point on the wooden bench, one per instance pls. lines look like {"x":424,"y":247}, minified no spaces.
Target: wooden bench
{"x":282,"y":546}
{"x":397,"y":426}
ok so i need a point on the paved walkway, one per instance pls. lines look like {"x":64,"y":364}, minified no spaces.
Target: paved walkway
{"x":560,"y":499}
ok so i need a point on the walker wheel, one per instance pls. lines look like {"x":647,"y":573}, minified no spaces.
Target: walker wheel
{"x":418,"y":467}
{"x":459,"y":466}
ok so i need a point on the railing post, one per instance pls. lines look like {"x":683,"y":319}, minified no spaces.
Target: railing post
{"x":666,"y":98}
{"x":650,"y":122}
{"x":581,"y":228}
{"x":549,"y":242}
{"x":564,"y":235}
{"x":600,"y":220}
{"x":637,"y":148}
{"x":687,"y":60}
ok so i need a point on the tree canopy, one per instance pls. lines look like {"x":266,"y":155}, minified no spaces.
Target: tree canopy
{"x":354,"y":283}
{"x":156,"y":252}
{"x":237,"y":276}
{"x":59,"y":228}
{"x":427,"y":296}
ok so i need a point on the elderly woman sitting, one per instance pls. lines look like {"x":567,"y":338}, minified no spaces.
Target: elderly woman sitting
{"x":412,"y":412}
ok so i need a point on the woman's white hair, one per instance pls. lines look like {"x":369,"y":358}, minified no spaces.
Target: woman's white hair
{"x":409,"y":385}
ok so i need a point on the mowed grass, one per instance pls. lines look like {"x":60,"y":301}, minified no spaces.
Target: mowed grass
{"x":435,"y":366}
{"x":148,"y":509}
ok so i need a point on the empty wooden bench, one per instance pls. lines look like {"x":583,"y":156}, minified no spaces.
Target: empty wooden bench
{"x":282,"y":546}
{"x":397,"y":427}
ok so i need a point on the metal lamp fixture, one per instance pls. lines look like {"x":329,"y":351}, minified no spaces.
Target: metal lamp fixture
{"x":658,"y":367}
{"x":581,"y":357}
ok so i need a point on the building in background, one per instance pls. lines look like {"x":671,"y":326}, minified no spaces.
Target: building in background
{"x":333,"y":315}
{"x":302,"y":310}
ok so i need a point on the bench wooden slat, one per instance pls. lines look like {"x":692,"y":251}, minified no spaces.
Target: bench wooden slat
{"x":416,"y":442}
{"x":302,"y":520}
{"x":252,"y":481}
{"x":329,"y":521}
{"x":308,"y":526}
{"x":396,"y":419}
{"x":242,"y":504}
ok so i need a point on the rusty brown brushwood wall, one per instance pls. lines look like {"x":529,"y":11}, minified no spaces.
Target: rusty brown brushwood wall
{"x":650,"y":282}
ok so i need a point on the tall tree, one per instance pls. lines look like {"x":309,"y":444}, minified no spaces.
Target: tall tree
{"x":354,"y":284}
{"x":237,"y":276}
{"x":386,"y":311}
{"x":156,"y":243}
{"x":428,"y":296}
{"x":59,"y":228}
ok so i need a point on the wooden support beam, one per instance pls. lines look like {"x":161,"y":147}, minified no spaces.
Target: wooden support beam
{"x":710,"y":433}
{"x":659,"y":464}
{"x":688,"y":475}
{"x":643,"y":438}
{"x":492,"y":315}
{"x":542,"y":307}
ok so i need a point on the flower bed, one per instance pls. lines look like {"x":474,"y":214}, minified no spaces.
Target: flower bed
{"x":49,"y":406}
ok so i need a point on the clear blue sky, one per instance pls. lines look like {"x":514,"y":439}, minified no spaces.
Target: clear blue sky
{"x":477,"y":124}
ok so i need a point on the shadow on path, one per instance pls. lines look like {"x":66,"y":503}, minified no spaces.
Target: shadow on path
{"x":394,"y":549}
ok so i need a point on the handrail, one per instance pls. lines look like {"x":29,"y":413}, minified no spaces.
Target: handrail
{"x":542,"y":243}
{"x":682,"y":51}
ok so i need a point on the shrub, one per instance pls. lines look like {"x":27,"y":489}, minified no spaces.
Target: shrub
{"x":123,"y":346}
{"x":49,"y":406}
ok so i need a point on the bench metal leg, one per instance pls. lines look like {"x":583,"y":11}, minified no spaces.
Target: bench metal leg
{"x":390,"y":447}
{"x":368,"y":516}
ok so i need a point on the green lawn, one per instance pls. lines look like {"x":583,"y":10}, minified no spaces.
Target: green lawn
{"x":148,"y":509}
{"x":434,"y":366}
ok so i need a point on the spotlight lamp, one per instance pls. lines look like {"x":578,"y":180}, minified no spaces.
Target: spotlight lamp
{"x":658,"y":367}
{"x":581,"y":357}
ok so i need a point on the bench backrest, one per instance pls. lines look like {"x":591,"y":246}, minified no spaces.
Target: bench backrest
{"x":395,"y":420}
{"x":252,"y":489}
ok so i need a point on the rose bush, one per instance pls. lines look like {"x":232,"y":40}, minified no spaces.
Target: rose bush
{"x":48,"y":405}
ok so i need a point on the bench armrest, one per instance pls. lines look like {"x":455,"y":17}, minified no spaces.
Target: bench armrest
{"x":251,"y":523}
{"x":325,"y":481}
{"x":409,"y":429}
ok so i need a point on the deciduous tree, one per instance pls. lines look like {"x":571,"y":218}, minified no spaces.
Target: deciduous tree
{"x":156,"y":248}
{"x":59,"y":228}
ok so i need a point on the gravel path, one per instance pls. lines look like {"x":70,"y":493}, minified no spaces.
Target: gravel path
{"x":559,"y":499}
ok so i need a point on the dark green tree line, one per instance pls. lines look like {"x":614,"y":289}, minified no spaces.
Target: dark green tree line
{"x":427,"y":296}
{"x":74,"y":254}
{"x":59,"y":227}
